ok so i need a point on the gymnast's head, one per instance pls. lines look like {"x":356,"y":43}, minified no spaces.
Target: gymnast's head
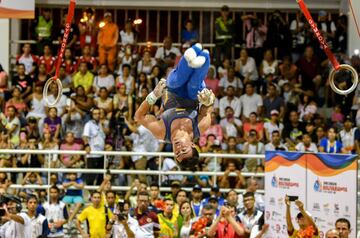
{"x":185,"y":152}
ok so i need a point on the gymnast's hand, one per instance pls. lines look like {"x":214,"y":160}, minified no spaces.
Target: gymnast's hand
{"x":157,"y":92}
{"x":206,"y":97}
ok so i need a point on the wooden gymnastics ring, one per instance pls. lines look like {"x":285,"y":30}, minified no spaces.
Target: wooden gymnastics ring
{"x":354,"y":76}
{"x":46,"y":88}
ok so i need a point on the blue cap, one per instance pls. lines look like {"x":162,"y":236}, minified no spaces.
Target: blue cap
{"x":197,"y":187}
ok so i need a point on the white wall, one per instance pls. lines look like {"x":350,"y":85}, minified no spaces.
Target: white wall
{"x":5,"y":43}
{"x":354,"y":38}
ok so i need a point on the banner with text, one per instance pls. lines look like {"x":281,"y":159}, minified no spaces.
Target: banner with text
{"x":17,"y":8}
{"x":285,"y":174}
{"x":325,"y":183}
{"x":331,"y":191}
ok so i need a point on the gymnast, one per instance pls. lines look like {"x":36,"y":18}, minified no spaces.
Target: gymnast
{"x":187,"y":106}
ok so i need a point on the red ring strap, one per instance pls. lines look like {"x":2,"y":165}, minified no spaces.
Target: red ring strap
{"x":318,"y":34}
{"x":69,"y":18}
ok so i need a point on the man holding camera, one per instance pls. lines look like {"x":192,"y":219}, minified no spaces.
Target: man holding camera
{"x":16,"y":223}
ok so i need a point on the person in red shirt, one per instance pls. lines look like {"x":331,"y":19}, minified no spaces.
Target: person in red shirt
{"x":88,"y":30}
{"x":27,"y":59}
{"x":225,"y":225}
{"x":86,"y":57}
{"x":48,"y":59}
{"x":69,"y":62}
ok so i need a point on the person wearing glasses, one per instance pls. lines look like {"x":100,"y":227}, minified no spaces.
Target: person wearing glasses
{"x":251,"y":215}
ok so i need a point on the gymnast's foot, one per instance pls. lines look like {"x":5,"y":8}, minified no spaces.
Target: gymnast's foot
{"x":191,"y":56}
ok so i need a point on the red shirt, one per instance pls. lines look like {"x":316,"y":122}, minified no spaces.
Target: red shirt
{"x":70,"y":66}
{"x":49,"y":63}
{"x":226,"y":230}
{"x":90,"y":60}
{"x":148,"y":221}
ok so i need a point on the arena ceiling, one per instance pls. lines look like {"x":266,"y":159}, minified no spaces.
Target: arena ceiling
{"x":198,"y":4}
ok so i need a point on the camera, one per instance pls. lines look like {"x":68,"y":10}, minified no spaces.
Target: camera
{"x":122,"y":216}
{"x":2,"y":212}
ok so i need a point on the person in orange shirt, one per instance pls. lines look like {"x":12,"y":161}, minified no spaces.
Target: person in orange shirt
{"x":107,"y":39}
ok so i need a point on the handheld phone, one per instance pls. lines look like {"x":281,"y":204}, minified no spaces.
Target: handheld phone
{"x":293,"y":198}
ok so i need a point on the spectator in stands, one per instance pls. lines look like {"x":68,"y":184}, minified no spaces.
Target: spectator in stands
{"x":53,"y":123}
{"x":82,"y":100}
{"x":6,"y":160}
{"x":332,"y":233}
{"x":255,"y":37}
{"x":146,"y":63}
{"x":29,"y":60}
{"x":288,"y":70}
{"x":132,"y":197}
{"x":254,"y":124}
{"x":83,"y":78}
{"x":278,"y":35}
{"x":189,"y":35}
{"x":4,"y":182}
{"x":230,"y":100}
{"x":167,"y":220}
{"x":39,"y":223}
{"x":127,"y":79}
{"x":331,"y":144}
{"x":42,"y":76}
{"x":275,"y":142}
{"x":304,"y":220}
{"x":103,"y":101}
{"x":350,"y":137}
{"x":73,"y":34}
{"x":231,"y":80}
{"x":293,"y":129}
{"x":107,"y":39}
{"x":344,"y":227}
{"x":43,"y":30}
{"x":22,"y":80}
{"x":307,"y":108}
{"x":49,"y":142}
{"x":142,"y":82}
{"x":232,"y":199}
{"x":226,"y":224}
{"x":196,"y":197}
{"x":215,"y":192}
{"x":69,"y":62}
{"x":341,"y":35}
{"x":56,"y":213}
{"x":327,"y":28}
{"x":273,"y":101}
{"x":269,"y":65}
{"x":12,"y":125}
{"x":246,"y":67}
{"x":250,"y":102}
{"x":299,"y":29}
{"x":73,"y":195}
{"x":128,"y":35}
{"x":309,"y":67}
{"x":181,"y":196}
{"x":253,"y":146}
{"x":48,"y":60}
{"x":251,"y":215}
{"x":214,"y":129}
{"x":224,"y":35}
{"x":231,"y":126}
{"x":88,"y":30}
{"x":99,"y":218}
{"x":252,"y":185}
{"x":73,"y":120}
{"x":224,"y":67}
{"x":127,"y":57}
{"x":18,"y":103}
{"x":123,"y":102}
{"x":87,"y":58}
{"x":306,"y":145}
{"x":31,"y":178}
{"x":148,"y":220}
{"x":228,"y":181}
{"x":70,"y":161}
{"x":155,"y":195}
{"x":185,"y":219}
{"x":273,"y":125}
{"x":37,"y":105}
{"x":212,"y":82}
{"x":166,"y":55}
{"x":94,"y":140}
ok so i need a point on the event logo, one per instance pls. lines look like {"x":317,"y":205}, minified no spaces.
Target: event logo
{"x":279,"y":182}
{"x":328,"y":187}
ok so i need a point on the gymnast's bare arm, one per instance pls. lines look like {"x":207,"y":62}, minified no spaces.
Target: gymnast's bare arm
{"x":157,"y":127}
{"x":205,"y":118}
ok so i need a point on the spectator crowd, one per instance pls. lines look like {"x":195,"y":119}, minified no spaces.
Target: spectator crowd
{"x":273,"y":95}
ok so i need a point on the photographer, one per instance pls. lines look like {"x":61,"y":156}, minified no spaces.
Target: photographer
{"x":124,"y":226}
{"x":16,"y":224}
{"x":304,"y":220}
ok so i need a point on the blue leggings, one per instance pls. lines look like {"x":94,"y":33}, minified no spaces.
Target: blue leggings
{"x":185,"y":81}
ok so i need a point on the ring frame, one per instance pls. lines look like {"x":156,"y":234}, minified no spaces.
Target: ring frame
{"x":354,"y":76}
{"x":46,"y":88}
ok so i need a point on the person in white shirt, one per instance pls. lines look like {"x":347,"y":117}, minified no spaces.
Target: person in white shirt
{"x":231,"y":126}
{"x":253,"y":147}
{"x":246,"y":66}
{"x":56,"y":213}
{"x":167,"y":52}
{"x":17,"y":224}
{"x":251,"y":215}
{"x":94,"y":140}
{"x":230,"y":101}
{"x":306,"y":145}
{"x":125,"y":226}
{"x":252,"y":184}
{"x":39,"y":223}
{"x":275,"y":143}
{"x":350,"y":136}
{"x":250,"y":101}
{"x":168,"y":164}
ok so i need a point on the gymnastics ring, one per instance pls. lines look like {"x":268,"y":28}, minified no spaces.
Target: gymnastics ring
{"x":354,"y":77}
{"x":46,"y":87}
